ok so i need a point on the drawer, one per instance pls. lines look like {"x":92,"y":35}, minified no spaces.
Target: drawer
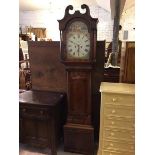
{"x":119,"y":99}
{"x":111,"y":153}
{"x":41,"y":113}
{"x":120,"y":123}
{"x":122,"y":111}
{"x":107,"y":152}
{"x":116,"y":134}
{"x":118,"y":145}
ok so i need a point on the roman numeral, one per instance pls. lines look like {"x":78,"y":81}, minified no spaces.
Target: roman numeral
{"x":86,"y":50}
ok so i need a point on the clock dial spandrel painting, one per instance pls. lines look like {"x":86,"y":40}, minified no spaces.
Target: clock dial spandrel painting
{"x":78,"y":41}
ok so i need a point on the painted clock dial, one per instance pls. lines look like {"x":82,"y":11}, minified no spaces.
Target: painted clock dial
{"x":78,"y":41}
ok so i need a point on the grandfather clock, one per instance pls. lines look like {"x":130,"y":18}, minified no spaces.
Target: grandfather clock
{"x":78,"y":33}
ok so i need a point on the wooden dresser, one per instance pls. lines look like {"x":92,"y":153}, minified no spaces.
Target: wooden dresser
{"x":42,"y":117}
{"x":117,"y":117}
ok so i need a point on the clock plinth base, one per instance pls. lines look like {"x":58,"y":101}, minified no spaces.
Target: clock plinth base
{"x":79,"y":139}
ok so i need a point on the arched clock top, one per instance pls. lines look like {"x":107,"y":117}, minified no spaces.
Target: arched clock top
{"x":77,"y":14}
{"x":69,"y":7}
{"x":84,"y":6}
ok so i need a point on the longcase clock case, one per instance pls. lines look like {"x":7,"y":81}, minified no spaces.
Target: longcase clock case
{"x":78,"y":130}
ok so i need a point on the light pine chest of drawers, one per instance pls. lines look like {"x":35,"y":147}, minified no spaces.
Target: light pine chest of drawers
{"x":117,"y":119}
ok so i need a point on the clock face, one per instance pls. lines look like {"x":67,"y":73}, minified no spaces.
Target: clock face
{"x":78,"y":41}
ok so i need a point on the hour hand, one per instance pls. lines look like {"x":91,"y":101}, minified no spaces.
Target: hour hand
{"x":72,"y":42}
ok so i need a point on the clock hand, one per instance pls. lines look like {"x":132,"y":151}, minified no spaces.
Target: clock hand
{"x":78,"y":48}
{"x":74,"y":42}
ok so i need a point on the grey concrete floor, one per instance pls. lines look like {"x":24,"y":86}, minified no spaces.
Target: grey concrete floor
{"x":28,"y":150}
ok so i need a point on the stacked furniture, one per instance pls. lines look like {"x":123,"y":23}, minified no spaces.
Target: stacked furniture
{"x":42,"y":109}
{"x":117,"y":117}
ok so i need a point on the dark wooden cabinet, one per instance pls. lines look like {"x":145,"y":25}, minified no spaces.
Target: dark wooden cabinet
{"x":111,"y":74}
{"x":41,"y":115}
{"x":24,"y":37}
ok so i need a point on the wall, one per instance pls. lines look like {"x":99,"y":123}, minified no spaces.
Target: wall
{"x":43,"y":19}
{"x":48,"y":19}
{"x":128,"y":23}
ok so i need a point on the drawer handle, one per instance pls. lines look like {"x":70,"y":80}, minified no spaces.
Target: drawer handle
{"x":111,"y":144}
{"x":112,"y":122}
{"x":41,"y":112}
{"x":23,"y":109}
{"x":114,"y":99}
{"x":112,"y":134}
{"x":113,"y":111}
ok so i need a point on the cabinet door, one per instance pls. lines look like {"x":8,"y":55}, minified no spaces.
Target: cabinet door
{"x":79,"y":96}
{"x":42,"y":133}
{"x":35,"y":132}
{"x":20,"y":129}
{"x":28,"y":130}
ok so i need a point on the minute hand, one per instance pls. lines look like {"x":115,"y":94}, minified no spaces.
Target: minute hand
{"x":78,"y":48}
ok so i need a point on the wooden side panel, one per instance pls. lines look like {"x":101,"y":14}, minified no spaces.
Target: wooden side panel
{"x":35,"y":132}
{"x":129,"y":63}
{"x":48,"y":73}
{"x":98,"y":68}
{"x":97,"y":78}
